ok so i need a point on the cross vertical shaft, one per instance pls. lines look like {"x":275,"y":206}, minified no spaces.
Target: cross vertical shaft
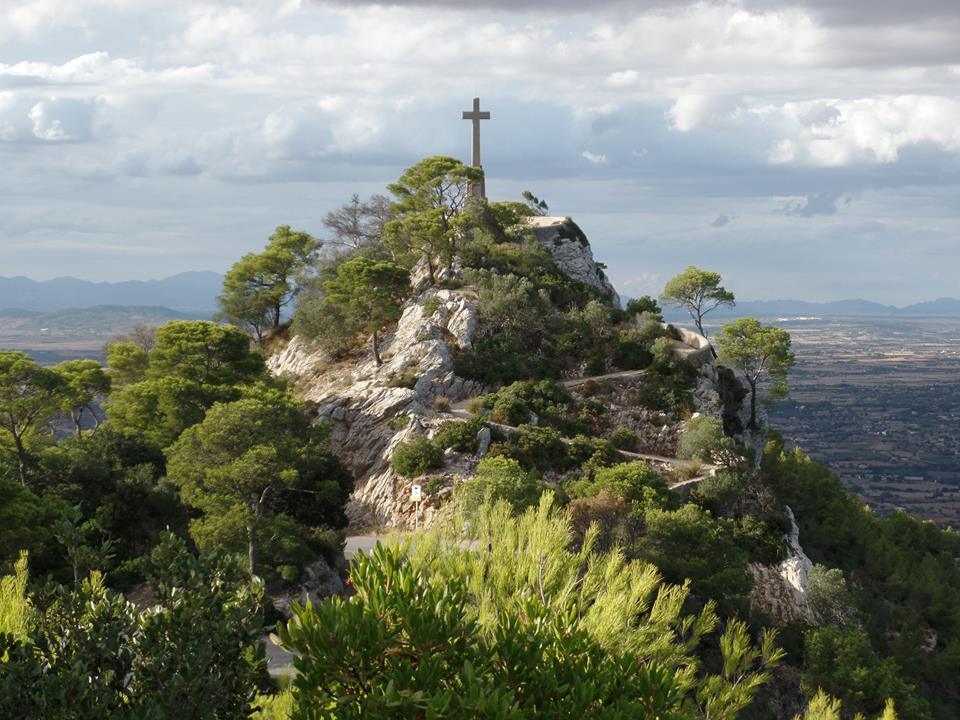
{"x":476,"y":115}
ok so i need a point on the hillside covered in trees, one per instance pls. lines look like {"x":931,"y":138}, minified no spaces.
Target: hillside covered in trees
{"x":612,"y":529}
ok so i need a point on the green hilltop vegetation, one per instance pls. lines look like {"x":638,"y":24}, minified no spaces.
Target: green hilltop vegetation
{"x":566,"y":579}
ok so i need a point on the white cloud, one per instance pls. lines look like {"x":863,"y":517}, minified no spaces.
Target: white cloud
{"x":594,"y":158}
{"x":748,"y":97}
{"x":622,"y":79}
{"x":51,"y":119}
{"x":61,"y":119}
{"x":692,"y":111}
{"x":833,"y":133}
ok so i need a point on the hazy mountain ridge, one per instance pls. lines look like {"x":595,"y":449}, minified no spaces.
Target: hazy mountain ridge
{"x":194,"y":293}
{"x":856,"y":307}
{"x":97,"y":319}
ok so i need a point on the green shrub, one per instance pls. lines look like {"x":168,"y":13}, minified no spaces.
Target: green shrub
{"x":687,"y":543}
{"x":274,"y":707}
{"x":644,"y":305}
{"x":687,"y":470}
{"x":16,"y":612}
{"x":416,"y":457}
{"x":325,"y":325}
{"x":197,"y":652}
{"x":719,"y":493}
{"x":501,"y":478}
{"x":597,"y":451}
{"x":703,"y":439}
{"x":432,"y":485}
{"x":430,"y":306}
{"x":615,"y":519}
{"x":354,"y":657}
{"x":843,"y":663}
{"x":510,"y":410}
{"x":288,"y":573}
{"x":461,"y":436}
{"x":534,"y":447}
{"x":624,"y":439}
{"x":631,"y":354}
{"x":633,"y":482}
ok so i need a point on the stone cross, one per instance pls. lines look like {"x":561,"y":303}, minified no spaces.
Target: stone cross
{"x":478,"y":189}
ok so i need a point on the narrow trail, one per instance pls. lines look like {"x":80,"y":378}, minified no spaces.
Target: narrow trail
{"x":459,"y":409}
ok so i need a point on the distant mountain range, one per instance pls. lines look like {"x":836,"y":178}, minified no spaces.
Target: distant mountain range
{"x":942,"y":307}
{"x":193,"y":293}
{"x":98,"y":320}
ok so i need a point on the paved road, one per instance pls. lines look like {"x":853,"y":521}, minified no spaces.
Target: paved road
{"x":279,"y":661}
{"x":359,"y":543}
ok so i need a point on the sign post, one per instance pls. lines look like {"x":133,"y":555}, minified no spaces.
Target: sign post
{"x":416,"y":494}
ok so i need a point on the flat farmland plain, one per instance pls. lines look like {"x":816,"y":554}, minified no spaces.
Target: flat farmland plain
{"x":878,"y":400}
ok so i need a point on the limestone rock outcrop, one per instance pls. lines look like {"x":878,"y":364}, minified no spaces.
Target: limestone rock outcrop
{"x":571,"y":251}
{"x":372,"y":409}
{"x":780,"y":590}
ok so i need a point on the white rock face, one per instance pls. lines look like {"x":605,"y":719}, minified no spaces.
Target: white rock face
{"x":706,"y":399}
{"x":781,"y":590}
{"x":359,"y":399}
{"x":571,"y":252}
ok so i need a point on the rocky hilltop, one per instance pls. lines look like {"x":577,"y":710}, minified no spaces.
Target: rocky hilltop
{"x":570,"y":249}
{"x":371,"y":409}
{"x":366,"y":405}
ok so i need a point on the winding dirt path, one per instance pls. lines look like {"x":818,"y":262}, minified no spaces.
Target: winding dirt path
{"x":460,"y":410}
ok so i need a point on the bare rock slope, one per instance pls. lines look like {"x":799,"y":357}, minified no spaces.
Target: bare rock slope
{"x":372,"y":409}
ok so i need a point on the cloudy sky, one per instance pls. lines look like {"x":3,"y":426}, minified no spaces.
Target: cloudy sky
{"x":806,"y":149}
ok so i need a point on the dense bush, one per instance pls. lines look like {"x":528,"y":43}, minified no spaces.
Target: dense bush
{"x":645,"y":305}
{"x":534,"y":447}
{"x":501,"y":478}
{"x":592,"y":453}
{"x":615,"y":521}
{"x":404,"y":646}
{"x":624,"y":439}
{"x":461,"y":436}
{"x":501,"y":557}
{"x":687,"y":543}
{"x":668,"y":384}
{"x":843,"y":663}
{"x":196,"y":654}
{"x":702,"y":438}
{"x":416,"y":457}
{"x":634,"y":482}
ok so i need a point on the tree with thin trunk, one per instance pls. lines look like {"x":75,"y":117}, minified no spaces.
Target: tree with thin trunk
{"x":759,"y":352}
{"x":30,"y":395}
{"x":84,"y":383}
{"x":371,"y":293}
{"x":260,"y":285}
{"x":236,"y":466}
{"x":427,"y":199}
{"x":358,"y":224}
{"x":698,"y":292}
